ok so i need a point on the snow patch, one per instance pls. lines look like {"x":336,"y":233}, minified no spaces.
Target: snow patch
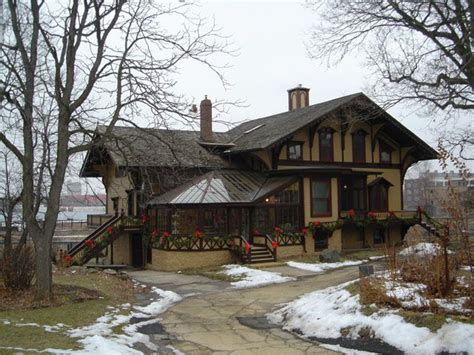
{"x":321,"y":267}
{"x":99,"y":337}
{"x":253,"y":277}
{"x":373,"y":258}
{"x":423,"y":249}
{"x":325,"y":313}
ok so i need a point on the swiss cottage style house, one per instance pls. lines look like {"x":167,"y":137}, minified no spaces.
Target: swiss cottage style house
{"x":320,"y":176}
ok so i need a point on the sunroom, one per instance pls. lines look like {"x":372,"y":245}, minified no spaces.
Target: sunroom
{"x":224,"y":204}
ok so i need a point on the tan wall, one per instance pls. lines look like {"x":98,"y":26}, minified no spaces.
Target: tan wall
{"x":115,"y":187}
{"x":352,"y":238}
{"x":122,"y":250}
{"x":335,"y":241}
{"x":289,"y":250}
{"x":180,"y":260}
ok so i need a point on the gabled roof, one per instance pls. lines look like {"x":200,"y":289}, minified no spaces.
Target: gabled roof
{"x":263,"y":132}
{"x":133,"y":146}
{"x":223,"y":187}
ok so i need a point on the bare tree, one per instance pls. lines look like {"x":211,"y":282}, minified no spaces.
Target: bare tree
{"x":10,"y":192}
{"x":418,"y":50}
{"x":63,"y":69}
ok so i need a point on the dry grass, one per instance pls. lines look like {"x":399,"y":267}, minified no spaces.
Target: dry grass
{"x":372,"y":291}
{"x":109,"y":289}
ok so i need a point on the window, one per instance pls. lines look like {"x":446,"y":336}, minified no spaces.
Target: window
{"x":295,"y":151}
{"x":326,"y":146}
{"x":282,"y":209}
{"x":358,"y":146}
{"x":379,"y":198}
{"x":379,"y":236}
{"x":385,"y":153}
{"x":321,"y":198}
{"x":353,"y":193}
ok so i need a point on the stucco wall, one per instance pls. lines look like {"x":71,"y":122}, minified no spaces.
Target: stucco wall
{"x":180,"y":260}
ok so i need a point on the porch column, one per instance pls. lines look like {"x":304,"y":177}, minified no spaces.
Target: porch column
{"x":309,"y":243}
{"x":335,"y":240}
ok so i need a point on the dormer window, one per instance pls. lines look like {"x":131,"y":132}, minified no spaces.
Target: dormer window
{"x":385,"y":153}
{"x":326,"y":144}
{"x":295,"y":151}
{"x":358,"y":146}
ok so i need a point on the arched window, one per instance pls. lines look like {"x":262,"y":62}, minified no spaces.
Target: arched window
{"x":326,"y":144}
{"x":358,"y":146}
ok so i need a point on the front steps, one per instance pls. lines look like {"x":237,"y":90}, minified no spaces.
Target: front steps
{"x":260,"y":254}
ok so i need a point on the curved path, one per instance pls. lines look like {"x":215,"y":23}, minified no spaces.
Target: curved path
{"x":214,"y":318}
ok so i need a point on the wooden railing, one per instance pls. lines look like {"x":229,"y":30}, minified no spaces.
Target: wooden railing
{"x":184,"y":242}
{"x":94,"y":235}
{"x":378,"y":215}
{"x":284,"y":239}
{"x":96,"y":220}
{"x":269,"y":246}
{"x":238,"y":249}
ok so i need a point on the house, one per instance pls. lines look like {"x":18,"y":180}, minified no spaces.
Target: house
{"x":328,"y":175}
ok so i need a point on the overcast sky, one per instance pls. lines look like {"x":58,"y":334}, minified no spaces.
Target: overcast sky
{"x":270,"y":37}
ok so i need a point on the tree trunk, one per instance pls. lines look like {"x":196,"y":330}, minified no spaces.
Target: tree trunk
{"x":44,"y":271}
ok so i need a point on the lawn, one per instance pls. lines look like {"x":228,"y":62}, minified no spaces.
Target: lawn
{"x":111,"y":290}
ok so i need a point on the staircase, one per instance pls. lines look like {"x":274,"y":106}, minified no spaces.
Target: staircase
{"x":95,"y":242}
{"x":429,"y":224}
{"x":260,"y":254}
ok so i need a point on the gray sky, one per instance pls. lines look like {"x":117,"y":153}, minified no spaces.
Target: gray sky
{"x":270,"y":36}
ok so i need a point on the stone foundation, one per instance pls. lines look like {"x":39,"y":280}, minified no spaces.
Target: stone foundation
{"x":181,"y":260}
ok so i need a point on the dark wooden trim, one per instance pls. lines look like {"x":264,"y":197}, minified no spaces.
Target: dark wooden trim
{"x":339,"y":195}
{"x":302,"y":194}
{"x":338,"y":164}
{"x":328,"y":180}
{"x":276,"y":155}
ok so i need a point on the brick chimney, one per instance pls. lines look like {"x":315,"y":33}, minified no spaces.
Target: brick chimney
{"x":298,"y":97}
{"x":206,"y":119}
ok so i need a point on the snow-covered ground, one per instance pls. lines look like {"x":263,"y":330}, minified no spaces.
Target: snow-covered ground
{"x":325,"y":313}
{"x":253,"y":277}
{"x":321,"y":267}
{"x":423,"y":249}
{"x":99,"y":337}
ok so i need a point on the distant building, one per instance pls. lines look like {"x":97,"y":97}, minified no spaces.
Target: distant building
{"x":430,"y":191}
{"x":73,"y":188}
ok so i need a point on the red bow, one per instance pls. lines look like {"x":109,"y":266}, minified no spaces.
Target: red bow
{"x":247,"y":248}
{"x":274,"y":244}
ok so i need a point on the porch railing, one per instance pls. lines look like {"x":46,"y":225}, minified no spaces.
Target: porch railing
{"x":185,"y":242}
{"x":352,"y":214}
{"x":96,"y":220}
